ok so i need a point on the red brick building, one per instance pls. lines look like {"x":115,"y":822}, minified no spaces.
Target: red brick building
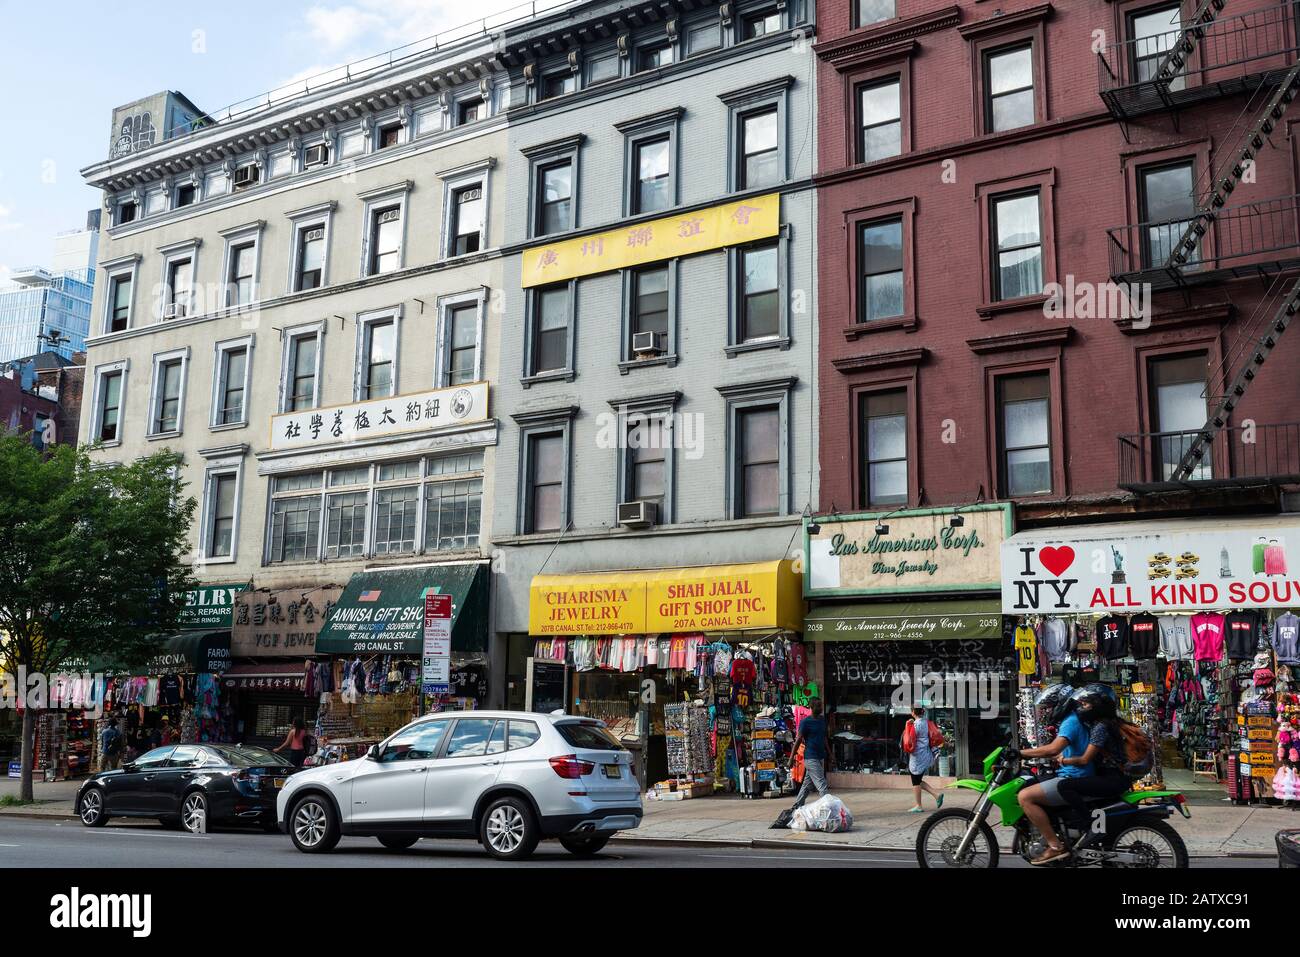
{"x":973,"y":153}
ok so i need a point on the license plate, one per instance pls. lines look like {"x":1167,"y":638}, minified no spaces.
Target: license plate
{"x":612,"y":770}
{"x":277,"y":782}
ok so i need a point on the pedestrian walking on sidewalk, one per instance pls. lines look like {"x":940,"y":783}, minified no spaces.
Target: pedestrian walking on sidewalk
{"x":816,"y":739}
{"x":110,"y":747}
{"x":921,"y":742}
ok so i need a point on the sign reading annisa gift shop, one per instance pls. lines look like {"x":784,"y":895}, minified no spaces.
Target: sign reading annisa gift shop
{"x":380,"y":418}
{"x":924,"y":551}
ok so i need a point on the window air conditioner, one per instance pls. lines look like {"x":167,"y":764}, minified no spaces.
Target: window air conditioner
{"x":646,"y":343}
{"x":637,"y":514}
{"x":317,"y":155}
{"x":245,"y":176}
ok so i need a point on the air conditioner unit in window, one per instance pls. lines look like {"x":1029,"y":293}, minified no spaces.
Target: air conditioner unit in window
{"x":175,"y":310}
{"x":317,"y":155}
{"x":637,"y":514}
{"x":245,"y":176}
{"x":646,"y":343}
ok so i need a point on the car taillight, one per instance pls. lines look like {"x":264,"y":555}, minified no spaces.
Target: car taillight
{"x":571,"y":766}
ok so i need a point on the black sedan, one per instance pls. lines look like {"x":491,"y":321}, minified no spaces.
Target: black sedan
{"x":189,"y":786}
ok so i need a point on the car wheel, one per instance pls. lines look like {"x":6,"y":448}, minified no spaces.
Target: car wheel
{"x":398,"y":842}
{"x":585,"y":846}
{"x":91,"y":808}
{"x":194,"y":812}
{"x":508,"y":831}
{"x":313,"y":825}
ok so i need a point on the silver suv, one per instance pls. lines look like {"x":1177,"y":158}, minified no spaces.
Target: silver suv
{"x":507,"y":778}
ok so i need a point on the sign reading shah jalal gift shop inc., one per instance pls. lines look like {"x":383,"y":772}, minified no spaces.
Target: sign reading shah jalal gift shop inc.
{"x":939,"y":550}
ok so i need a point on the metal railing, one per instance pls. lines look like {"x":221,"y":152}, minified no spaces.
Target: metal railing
{"x":1241,"y":455}
{"x":1225,"y":52}
{"x":1260,"y":236}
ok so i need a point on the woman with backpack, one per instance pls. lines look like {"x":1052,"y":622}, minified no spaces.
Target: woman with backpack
{"x":921,"y":742}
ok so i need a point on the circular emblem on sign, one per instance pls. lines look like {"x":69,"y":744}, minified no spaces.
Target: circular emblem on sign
{"x":121,"y":146}
{"x":462,"y":401}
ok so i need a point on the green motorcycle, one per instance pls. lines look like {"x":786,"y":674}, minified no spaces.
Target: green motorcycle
{"x":1129,"y":831}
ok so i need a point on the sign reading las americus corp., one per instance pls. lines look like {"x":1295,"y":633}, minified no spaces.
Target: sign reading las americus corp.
{"x":927,"y":550}
{"x":380,"y":418}
{"x":698,"y":231}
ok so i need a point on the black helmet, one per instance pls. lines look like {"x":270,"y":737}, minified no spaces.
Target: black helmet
{"x":1054,"y":703}
{"x":1100,"y":699}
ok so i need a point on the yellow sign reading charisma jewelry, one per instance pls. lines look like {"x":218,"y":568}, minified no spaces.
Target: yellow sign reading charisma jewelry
{"x":744,"y":221}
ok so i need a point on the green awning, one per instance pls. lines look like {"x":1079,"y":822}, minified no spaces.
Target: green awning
{"x":905,"y":621}
{"x":382,"y":612}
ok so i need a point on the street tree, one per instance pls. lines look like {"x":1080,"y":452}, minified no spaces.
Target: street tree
{"x":90,"y":564}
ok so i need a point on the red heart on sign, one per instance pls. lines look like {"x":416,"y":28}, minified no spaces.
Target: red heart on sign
{"x":1056,"y":560}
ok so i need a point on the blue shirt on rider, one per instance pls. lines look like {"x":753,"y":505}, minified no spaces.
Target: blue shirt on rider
{"x":1073,"y":730}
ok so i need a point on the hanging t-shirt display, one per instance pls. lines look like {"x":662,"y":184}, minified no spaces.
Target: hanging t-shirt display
{"x":1112,"y":637}
{"x":1176,"y":637}
{"x":1144,"y":635}
{"x":1056,"y":639}
{"x":1285,"y":639}
{"x":1207,"y":636}
{"x":798,"y":660}
{"x":1027,"y":649}
{"x":1241,"y":634}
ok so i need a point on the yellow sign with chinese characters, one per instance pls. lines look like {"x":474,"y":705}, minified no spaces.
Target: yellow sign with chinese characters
{"x":731,"y":224}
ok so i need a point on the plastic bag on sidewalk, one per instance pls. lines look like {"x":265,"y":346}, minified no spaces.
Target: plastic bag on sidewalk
{"x":827,"y":813}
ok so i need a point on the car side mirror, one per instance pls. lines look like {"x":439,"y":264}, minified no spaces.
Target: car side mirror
{"x":373,"y":753}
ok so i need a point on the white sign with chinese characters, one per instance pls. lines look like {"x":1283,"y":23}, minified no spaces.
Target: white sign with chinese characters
{"x":379,"y":418}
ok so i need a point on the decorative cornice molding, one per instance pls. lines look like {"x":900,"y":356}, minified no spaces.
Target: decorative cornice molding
{"x":1218,"y":313}
{"x":1004,"y":21}
{"x":840,"y":51}
{"x":880,"y":360}
{"x":1055,"y":336}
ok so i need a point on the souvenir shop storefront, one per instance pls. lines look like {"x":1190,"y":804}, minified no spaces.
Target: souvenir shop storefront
{"x":386,"y":654}
{"x":904,"y":611}
{"x":1192,"y":623}
{"x":698,"y":671}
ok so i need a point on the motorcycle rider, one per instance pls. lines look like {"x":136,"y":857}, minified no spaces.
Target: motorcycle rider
{"x":1070,"y":743}
{"x":1098,"y":710}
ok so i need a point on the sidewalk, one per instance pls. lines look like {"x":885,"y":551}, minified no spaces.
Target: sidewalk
{"x":52,"y":800}
{"x":881,"y":821}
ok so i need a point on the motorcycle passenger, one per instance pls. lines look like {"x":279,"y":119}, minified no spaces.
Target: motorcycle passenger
{"x":1097,"y":709}
{"x":1071,"y":743}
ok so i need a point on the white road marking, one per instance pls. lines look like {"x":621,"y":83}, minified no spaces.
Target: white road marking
{"x":792,"y":857}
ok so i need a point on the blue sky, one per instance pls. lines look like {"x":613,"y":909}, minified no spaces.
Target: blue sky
{"x":65,"y":64}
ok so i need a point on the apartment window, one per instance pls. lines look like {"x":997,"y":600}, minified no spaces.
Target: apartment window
{"x":246,"y":176}
{"x":874,"y":11}
{"x":880,"y":109}
{"x":758,"y":463}
{"x":1009,"y":88}
{"x":243,"y":265}
{"x":169,"y":381}
{"x":385,"y":240}
{"x":390,"y":134}
{"x":231,"y":385}
{"x":119,"y":302}
{"x":1166,"y":208}
{"x":653,"y":56}
{"x":650,"y":299}
{"x":378,"y":359}
{"x":545,"y":486}
{"x":295,"y":518}
{"x":222,"y":499}
{"x":310,"y":273}
{"x":127,"y":213}
{"x":345,"y":521}
{"x":453,"y":498}
{"x":467,"y":219}
{"x":551,"y":312}
{"x":881,"y":255}
{"x":883,"y":441}
{"x":396,"y":515}
{"x":109,"y":412}
{"x":1152,"y":34}
{"x":470,"y":111}
{"x":180,"y":287}
{"x":703,"y":37}
{"x":301,"y":353}
{"x":647,"y":461}
{"x":460,"y":364}
{"x":186,"y":195}
{"x":555,"y":198}
{"x":759,"y":149}
{"x":653,"y":168}
{"x":1178,"y":410}
{"x":760,"y":24}
{"x":760,"y":293}
{"x":1025,"y":434}
{"x":558,"y":83}
{"x":602,"y":68}
{"x":1018,"y":246}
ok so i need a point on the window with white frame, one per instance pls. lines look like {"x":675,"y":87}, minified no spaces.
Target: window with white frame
{"x":110,"y":393}
{"x":240,"y":267}
{"x":120,"y":290}
{"x":466,"y":220}
{"x":309,"y":257}
{"x":167,"y":399}
{"x":385,"y":240}
{"x":470,"y":110}
{"x":187,"y":194}
{"x":459,"y":340}
{"x":220,"y":513}
{"x":426,"y":504}
{"x":178,"y":293}
{"x":231,"y":382}
{"x":760,"y":23}
{"x":301,"y":368}
{"x":377,"y":343}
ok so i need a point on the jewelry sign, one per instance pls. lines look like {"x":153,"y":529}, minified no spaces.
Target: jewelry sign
{"x":435,"y":674}
{"x":1156,"y":566}
{"x":380,"y":418}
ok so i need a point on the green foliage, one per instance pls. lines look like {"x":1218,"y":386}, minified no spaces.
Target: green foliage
{"x":89,"y":555}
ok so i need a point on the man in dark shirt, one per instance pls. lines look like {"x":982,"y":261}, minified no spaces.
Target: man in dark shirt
{"x":815,"y":736}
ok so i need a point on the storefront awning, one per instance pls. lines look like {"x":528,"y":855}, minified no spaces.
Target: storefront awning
{"x":905,"y":621}
{"x":189,"y":652}
{"x":383,"y":611}
{"x":764,"y":596}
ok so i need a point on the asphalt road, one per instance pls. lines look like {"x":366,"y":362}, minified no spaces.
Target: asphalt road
{"x":28,"y":843}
